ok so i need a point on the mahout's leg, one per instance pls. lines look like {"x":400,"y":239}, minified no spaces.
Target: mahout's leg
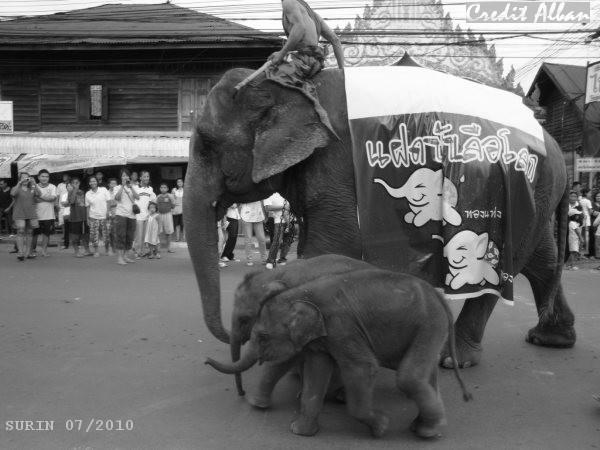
{"x":318,"y":368}
{"x":271,"y":374}
{"x":359,"y":381}
{"x":555,"y":327}
{"x":417,"y":378}
{"x":468,"y":331}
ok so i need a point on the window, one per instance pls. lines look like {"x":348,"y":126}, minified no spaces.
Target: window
{"x":92,"y":104}
{"x":95,"y":102}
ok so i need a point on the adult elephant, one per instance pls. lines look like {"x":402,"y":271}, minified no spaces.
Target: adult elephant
{"x":268,"y":138}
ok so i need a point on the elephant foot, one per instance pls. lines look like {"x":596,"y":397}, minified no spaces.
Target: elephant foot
{"x":379,"y":424}
{"x":305,"y":426}
{"x":427,"y":429}
{"x":260,"y":402}
{"x":468,"y":354}
{"x":552,"y":336}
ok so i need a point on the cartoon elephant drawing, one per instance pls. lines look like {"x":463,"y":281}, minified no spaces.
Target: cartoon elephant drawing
{"x":430,"y":196}
{"x":465,"y":253}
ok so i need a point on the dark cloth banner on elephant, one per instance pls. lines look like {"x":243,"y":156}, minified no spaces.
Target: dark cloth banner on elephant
{"x":452,"y":165}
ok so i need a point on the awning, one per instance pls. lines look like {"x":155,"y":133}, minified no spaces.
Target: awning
{"x":61,"y":151}
{"x":5,"y":160}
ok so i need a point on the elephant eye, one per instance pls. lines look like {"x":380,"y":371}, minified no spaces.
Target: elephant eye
{"x":262,"y":336}
{"x":420,"y":186}
{"x":462,"y":247}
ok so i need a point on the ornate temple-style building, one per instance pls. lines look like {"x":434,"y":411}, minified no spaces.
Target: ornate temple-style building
{"x":462,"y":54}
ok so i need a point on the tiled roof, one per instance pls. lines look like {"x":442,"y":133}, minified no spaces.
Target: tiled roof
{"x":140,"y":24}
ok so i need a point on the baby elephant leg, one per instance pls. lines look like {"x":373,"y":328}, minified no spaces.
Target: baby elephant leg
{"x":317,"y":373}
{"x":271,"y":374}
{"x":359,"y":381}
{"x":417,"y":378}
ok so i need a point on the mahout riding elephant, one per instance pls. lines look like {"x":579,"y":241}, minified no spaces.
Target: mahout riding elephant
{"x":359,"y":321}
{"x":267,"y":138}
{"x":259,"y":285}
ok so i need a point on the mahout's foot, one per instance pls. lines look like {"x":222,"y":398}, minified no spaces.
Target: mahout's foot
{"x":552,"y":336}
{"x":305,"y":426}
{"x":427,"y":429}
{"x":468,"y":354}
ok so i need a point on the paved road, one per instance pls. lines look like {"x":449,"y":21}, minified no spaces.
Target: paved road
{"x":84,"y":339}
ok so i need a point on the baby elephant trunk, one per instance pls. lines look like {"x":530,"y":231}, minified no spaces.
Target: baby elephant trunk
{"x":248,"y":360}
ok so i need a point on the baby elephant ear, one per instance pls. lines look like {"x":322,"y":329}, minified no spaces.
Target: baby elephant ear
{"x":274,"y":288}
{"x":306,"y":324}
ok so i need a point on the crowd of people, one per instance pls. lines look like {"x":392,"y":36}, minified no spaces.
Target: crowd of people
{"x":126,"y":218}
{"x":584,"y":226}
{"x":271,"y":216}
{"x":125,"y":215}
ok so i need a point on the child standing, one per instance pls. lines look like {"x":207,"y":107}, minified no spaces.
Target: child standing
{"x":575,"y":238}
{"x":166,"y":203}
{"x":151,"y":238}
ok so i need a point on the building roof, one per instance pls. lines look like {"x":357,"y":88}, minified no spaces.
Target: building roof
{"x":570,"y":82}
{"x":129,"y":25}
{"x":568,"y":79}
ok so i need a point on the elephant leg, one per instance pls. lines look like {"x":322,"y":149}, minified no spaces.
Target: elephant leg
{"x":555,"y":326}
{"x":417,"y":378}
{"x":318,"y":368}
{"x":468,"y":330}
{"x":359,"y":382}
{"x":271,"y":374}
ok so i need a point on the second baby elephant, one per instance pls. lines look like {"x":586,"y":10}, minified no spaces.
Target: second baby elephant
{"x":358,"y":321}
{"x":259,"y":285}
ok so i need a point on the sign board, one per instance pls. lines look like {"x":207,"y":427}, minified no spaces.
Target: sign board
{"x":6,"y":117}
{"x":587,"y":165}
{"x":592,"y":88}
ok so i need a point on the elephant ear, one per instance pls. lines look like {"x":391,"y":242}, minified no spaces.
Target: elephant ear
{"x":288,"y":134}
{"x":306,"y":324}
{"x":274,"y":288}
{"x":481,"y":245}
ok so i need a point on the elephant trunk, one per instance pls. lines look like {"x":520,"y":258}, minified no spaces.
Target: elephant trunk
{"x":236,"y":346}
{"x":248,"y":360}
{"x":203,"y":187}
{"x":394,"y":192}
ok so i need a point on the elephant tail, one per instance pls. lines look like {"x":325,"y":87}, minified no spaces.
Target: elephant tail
{"x":562,"y":219}
{"x":452,"y":344}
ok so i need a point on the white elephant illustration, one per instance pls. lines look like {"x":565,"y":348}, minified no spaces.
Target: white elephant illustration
{"x":466,"y":257}
{"x":430,"y":195}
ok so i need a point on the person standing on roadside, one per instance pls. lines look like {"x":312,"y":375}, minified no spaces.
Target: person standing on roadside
{"x":253,"y":216}
{"x":145,"y":196}
{"x":586,"y":206}
{"x":24,"y":213}
{"x":5,"y":209}
{"x":178,"y":210}
{"x":45,"y":211}
{"x":164,"y":205}
{"x":61,"y":191}
{"x":96,"y":201}
{"x":125,"y":223}
{"x":109,"y":243}
{"x":78,"y":219}
{"x":232,"y":216}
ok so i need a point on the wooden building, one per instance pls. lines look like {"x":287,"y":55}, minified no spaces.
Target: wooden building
{"x":559,"y":91}
{"x":115,"y":84}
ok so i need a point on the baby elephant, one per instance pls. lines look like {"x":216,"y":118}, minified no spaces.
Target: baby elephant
{"x":359,"y":320}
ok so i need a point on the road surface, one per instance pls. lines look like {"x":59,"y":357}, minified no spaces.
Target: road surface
{"x":85,"y":340}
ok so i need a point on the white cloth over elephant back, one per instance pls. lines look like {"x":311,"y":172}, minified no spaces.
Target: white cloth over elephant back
{"x":445,"y":167}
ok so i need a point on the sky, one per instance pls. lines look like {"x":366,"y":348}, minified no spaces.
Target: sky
{"x":524,"y":53}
